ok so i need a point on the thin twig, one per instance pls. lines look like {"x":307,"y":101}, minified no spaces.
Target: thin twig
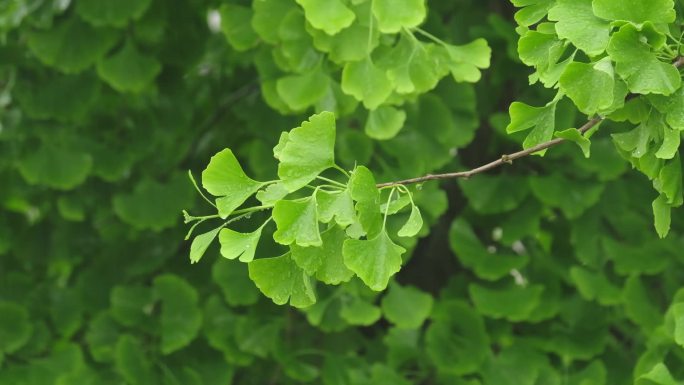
{"x":506,"y":158}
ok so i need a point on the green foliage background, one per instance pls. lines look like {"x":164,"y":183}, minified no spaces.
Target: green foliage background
{"x":548,"y":271}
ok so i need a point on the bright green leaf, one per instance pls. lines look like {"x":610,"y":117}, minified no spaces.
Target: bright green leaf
{"x":413,"y":224}
{"x":236,"y":26}
{"x":280,"y":279}
{"x":661,"y":214}
{"x":224,"y":178}
{"x":297,"y":222}
{"x":636,"y":11}
{"x":577,"y":23}
{"x":573,"y":135}
{"x":542,"y":120}
{"x":384,"y":122}
{"x":366,"y":82}
{"x":331,"y":16}
{"x":590,"y":86}
{"x":307,"y":151}
{"x":337,"y":205}
{"x":374,"y":260}
{"x":302,"y":91}
{"x":638,"y":66}
{"x":393,"y":15}
{"x":201,"y":243}
{"x":243,"y":245}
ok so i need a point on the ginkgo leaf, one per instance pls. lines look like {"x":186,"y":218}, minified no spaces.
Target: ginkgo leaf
{"x":224,"y":178}
{"x":331,"y":16}
{"x":236,"y":26}
{"x":393,"y":15}
{"x":532,"y":10}
{"x":271,"y":194}
{"x":131,"y":361}
{"x":406,"y":306}
{"x":114,"y":13}
{"x":302,"y":91}
{"x":366,"y":82}
{"x":243,"y":245}
{"x":337,"y":205}
{"x":297,"y":222}
{"x":280,"y":279}
{"x":56,"y":167}
{"x":590,"y":86}
{"x":72,"y":45}
{"x":325,"y":261}
{"x":201,"y":243}
{"x":359,"y":312}
{"x":573,"y":135}
{"x":640,"y":67}
{"x":374,"y":260}
{"x":362,"y":185}
{"x":15,"y":327}
{"x":413,"y":224}
{"x":662,"y":215}
{"x":306,"y":151}
{"x":658,"y":375}
{"x":636,"y":11}
{"x":128,"y":70}
{"x":181,"y":317}
{"x":575,"y":21}
{"x":412,"y":66}
{"x":466,"y":61}
{"x":384,"y":122}
{"x":671,"y":141}
{"x":542,"y":120}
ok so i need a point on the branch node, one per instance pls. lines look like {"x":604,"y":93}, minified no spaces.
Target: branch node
{"x":506,"y":159}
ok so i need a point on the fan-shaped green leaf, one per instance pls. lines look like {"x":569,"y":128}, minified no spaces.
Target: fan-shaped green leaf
{"x":280,"y":279}
{"x":393,"y":15}
{"x":72,"y":45}
{"x":131,"y":361}
{"x":413,"y":224}
{"x":236,"y":26}
{"x":331,"y":16}
{"x":15,"y":327}
{"x":154,"y":205}
{"x":224,"y":178}
{"x":243,"y":245}
{"x":577,"y":23}
{"x":366,"y":82}
{"x":181,"y":317}
{"x":384,"y":122}
{"x":325,"y":261}
{"x":307,"y":151}
{"x":374,"y":260}
{"x":297,"y":222}
{"x":640,"y":67}
{"x":200,"y":244}
{"x":56,"y":167}
{"x":406,"y":306}
{"x":128,"y":70}
{"x":636,"y":11}
{"x":115,"y":13}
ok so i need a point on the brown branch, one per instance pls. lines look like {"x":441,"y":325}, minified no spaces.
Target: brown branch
{"x":506,"y":158}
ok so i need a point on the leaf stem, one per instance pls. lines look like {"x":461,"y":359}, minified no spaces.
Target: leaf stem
{"x":342,"y":170}
{"x":430,"y":36}
{"x":340,"y":184}
{"x":389,"y":199}
{"x":194,"y":183}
